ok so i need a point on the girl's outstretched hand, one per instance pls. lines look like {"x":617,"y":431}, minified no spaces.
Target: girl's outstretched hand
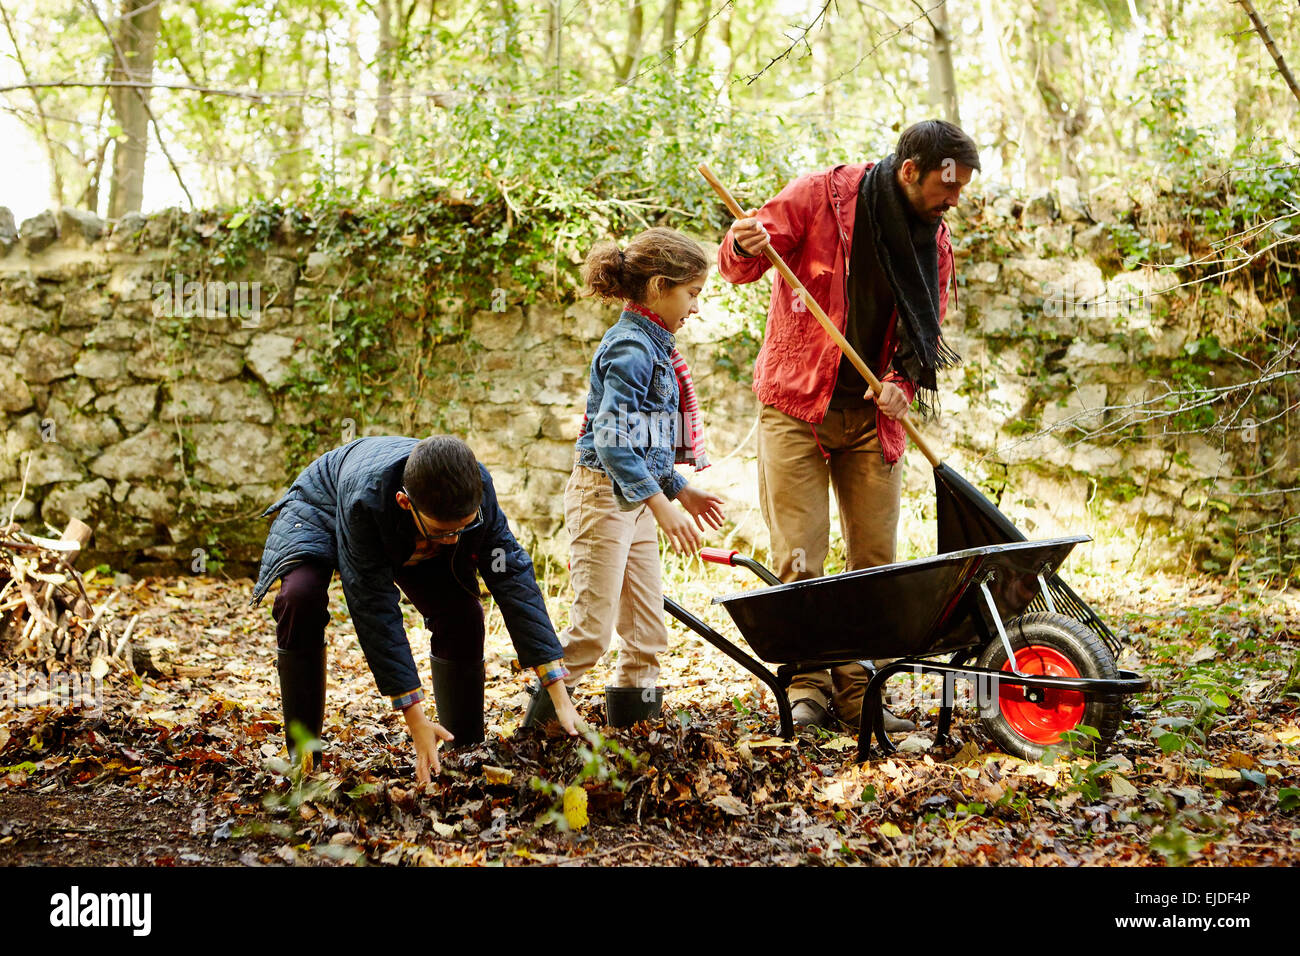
{"x":681,"y":533}
{"x":704,"y":506}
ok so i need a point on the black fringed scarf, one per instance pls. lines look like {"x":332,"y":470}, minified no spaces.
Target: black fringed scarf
{"x":909,"y":258}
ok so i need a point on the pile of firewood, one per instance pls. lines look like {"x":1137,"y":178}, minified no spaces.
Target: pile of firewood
{"x":46,"y":616}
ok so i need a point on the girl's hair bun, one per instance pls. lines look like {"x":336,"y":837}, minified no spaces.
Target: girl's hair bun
{"x":659,"y":253}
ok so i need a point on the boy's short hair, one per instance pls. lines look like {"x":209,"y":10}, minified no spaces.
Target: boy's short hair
{"x":929,"y":143}
{"x":442,"y":478}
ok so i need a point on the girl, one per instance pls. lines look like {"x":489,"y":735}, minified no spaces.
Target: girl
{"x":623,"y":481}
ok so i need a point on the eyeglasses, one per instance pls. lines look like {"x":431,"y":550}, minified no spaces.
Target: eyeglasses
{"x":446,"y":535}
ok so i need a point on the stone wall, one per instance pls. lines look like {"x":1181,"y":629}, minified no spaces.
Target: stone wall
{"x":171,"y":429}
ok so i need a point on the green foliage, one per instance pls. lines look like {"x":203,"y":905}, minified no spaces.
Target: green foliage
{"x":1175,"y":844}
{"x":503,"y":221}
{"x":601,"y":758}
{"x":1085,"y":772}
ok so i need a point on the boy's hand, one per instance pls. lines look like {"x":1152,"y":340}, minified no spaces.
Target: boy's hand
{"x":564,"y":709}
{"x":703,"y":506}
{"x":681,"y":533}
{"x":427,"y":736}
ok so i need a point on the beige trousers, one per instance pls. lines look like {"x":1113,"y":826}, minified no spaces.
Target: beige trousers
{"x":792,"y":487}
{"x":616,"y":576}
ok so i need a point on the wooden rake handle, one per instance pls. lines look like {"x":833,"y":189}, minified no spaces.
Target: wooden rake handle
{"x":734,"y":208}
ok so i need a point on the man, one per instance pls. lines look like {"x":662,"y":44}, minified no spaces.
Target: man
{"x":869,"y":243}
{"x":391,"y":513}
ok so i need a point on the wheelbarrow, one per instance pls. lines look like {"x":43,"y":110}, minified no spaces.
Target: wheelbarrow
{"x":1036,"y":675}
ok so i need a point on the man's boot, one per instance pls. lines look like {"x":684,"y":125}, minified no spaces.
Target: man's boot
{"x":624,"y":706}
{"x":807,"y":712}
{"x":458,"y":695}
{"x":893,"y":723}
{"x":302,"y":695}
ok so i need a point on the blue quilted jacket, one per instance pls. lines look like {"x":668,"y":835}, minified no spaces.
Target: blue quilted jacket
{"x":342,"y":511}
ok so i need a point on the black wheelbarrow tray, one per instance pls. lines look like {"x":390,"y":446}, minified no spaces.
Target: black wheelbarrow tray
{"x":1036,"y":675}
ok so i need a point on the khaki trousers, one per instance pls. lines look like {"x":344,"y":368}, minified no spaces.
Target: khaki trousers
{"x":616,"y":576}
{"x":792,"y":487}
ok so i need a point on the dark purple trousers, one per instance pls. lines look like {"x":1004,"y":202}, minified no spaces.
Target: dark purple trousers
{"x":452,"y":614}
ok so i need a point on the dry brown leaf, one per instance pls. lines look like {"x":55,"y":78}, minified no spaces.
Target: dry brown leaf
{"x":968,"y":753}
{"x":729,"y":805}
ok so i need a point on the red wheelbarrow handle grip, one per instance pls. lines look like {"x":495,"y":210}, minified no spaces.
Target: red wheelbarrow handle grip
{"x":719,"y":555}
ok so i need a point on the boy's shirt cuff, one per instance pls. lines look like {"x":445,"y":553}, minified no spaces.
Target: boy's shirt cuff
{"x":552,"y":672}
{"x":403,"y":701}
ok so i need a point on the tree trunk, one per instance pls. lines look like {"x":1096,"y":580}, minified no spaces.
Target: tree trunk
{"x":670,"y":35}
{"x":354,"y":73}
{"x":554,"y":38}
{"x":96,"y":166}
{"x":507,"y":50}
{"x":825,"y":59}
{"x":700,"y":33}
{"x":1011,"y":114}
{"x":943,"y":80}
{"x":729,"y":41}
{"x":384,"y":67}
{"x":635,"y":32}
{"x":136,"y":38}
{"x":1064,"y":121}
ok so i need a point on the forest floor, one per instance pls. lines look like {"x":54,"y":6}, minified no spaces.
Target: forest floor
{"x":190,"y":770}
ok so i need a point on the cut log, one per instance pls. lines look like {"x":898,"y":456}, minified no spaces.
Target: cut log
{"x":154,"y":656}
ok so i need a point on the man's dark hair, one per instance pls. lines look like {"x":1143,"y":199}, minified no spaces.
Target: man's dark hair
{"x":442,"y":478}
{"x":930,"y":142}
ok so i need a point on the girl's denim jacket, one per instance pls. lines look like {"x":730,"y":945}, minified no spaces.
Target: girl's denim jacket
{"x":633,"y":427}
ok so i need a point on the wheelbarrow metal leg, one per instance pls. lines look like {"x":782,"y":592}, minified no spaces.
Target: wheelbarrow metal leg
{"x":873,"y":711}
{"x":741,"y":658}
{"x":949,"y":699}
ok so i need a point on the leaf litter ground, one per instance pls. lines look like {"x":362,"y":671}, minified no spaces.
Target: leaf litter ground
{"x":189,"y":770}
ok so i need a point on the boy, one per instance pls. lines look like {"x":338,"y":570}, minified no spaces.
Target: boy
{"x":422,"y":516}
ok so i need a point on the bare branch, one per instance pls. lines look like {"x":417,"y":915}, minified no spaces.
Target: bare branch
{"x":439,"y":97}
{"x":1262,"y":29}
{"x":801,"y":38}
{"x":671,"y":54}
{"x":905,"y":28}
{"x":1168,"y":404}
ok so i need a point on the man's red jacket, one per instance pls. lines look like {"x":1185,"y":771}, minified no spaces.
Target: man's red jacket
{"x":811,"y":225}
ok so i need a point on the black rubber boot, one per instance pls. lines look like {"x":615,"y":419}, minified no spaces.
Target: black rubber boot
{"x":541,"y":709}
{"x":458,"y":695}
{"x":302,"y":694}
{"x":624,"y":706}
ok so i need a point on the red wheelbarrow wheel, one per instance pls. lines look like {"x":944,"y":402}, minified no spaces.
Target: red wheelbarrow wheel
{"x":1060,"y":646}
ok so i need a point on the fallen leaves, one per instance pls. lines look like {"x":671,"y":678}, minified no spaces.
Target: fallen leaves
{"x":707,"y":783}
{"x":1120,"y":786}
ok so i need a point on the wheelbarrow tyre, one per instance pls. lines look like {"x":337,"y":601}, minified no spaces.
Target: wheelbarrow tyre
{"x":1052,"y":644}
